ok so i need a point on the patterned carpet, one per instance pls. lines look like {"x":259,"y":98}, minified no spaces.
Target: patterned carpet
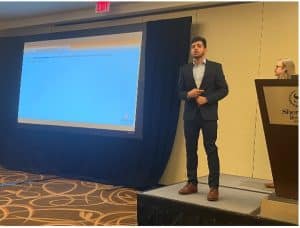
{"x":29,"y":199}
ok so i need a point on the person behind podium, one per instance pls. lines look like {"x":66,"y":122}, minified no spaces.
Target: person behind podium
{"x":201,"y":85}
{"x":284,"y":69}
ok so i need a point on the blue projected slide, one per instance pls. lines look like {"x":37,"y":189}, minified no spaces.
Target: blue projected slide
{"x":89,"y":82}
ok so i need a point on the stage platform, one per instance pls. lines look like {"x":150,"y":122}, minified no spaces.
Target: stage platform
{"x":239,"y":204}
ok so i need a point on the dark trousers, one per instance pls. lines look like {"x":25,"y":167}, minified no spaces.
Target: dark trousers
{"x":191,"y":133}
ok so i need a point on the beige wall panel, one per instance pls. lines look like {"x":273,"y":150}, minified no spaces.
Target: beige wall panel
{"x":280,"y":35}
{"x":280,"y":39}
{"x":262,"y":168}
{"x":233,"y":35}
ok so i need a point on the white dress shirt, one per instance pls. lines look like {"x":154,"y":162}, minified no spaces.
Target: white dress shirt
{"x":198,"y":72}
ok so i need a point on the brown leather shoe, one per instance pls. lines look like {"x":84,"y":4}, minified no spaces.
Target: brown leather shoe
{"x":213,"y":194}
{"x":269,"y":185}
{"x":189,"y":188}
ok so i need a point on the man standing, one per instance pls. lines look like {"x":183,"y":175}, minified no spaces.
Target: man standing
{"x":201,"y":84}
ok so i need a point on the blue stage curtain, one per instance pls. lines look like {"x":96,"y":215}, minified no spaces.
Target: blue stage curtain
{"x":131,"y":162}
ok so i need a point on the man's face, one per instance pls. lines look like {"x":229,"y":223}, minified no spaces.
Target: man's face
{"x":197,"y":49}
{"x":279,"y":69}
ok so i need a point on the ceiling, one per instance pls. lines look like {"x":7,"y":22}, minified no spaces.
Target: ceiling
{"x":14,"y":10}
{"x":23,"y":14}
{"x":10,"y":10}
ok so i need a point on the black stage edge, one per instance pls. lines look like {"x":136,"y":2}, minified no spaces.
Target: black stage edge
{"x":152,"y":210}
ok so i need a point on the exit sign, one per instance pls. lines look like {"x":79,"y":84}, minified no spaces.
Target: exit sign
{"x":102,"y":7}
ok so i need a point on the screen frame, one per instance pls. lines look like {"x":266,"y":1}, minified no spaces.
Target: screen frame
{"x":138,"y":132}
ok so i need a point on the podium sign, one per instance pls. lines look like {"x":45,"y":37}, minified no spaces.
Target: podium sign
{"x":282,"y":104}
{"x":278,"y":103}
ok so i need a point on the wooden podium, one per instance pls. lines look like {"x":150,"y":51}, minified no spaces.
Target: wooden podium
{"x":278,"y":102}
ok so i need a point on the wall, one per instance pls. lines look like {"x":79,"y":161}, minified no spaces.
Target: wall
{"x":247,"y":39}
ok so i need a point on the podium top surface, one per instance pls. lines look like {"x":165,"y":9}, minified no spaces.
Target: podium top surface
{"x":277,"y":82}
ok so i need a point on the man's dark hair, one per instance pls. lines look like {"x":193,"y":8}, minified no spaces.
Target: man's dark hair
{"x":199,"y":38}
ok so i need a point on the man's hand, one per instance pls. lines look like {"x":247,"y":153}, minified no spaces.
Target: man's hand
{"x":201,"y":100}
{"x":194,"y":93}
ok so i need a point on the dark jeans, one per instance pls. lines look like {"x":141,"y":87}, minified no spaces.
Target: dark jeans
{"x":209,"y":131}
